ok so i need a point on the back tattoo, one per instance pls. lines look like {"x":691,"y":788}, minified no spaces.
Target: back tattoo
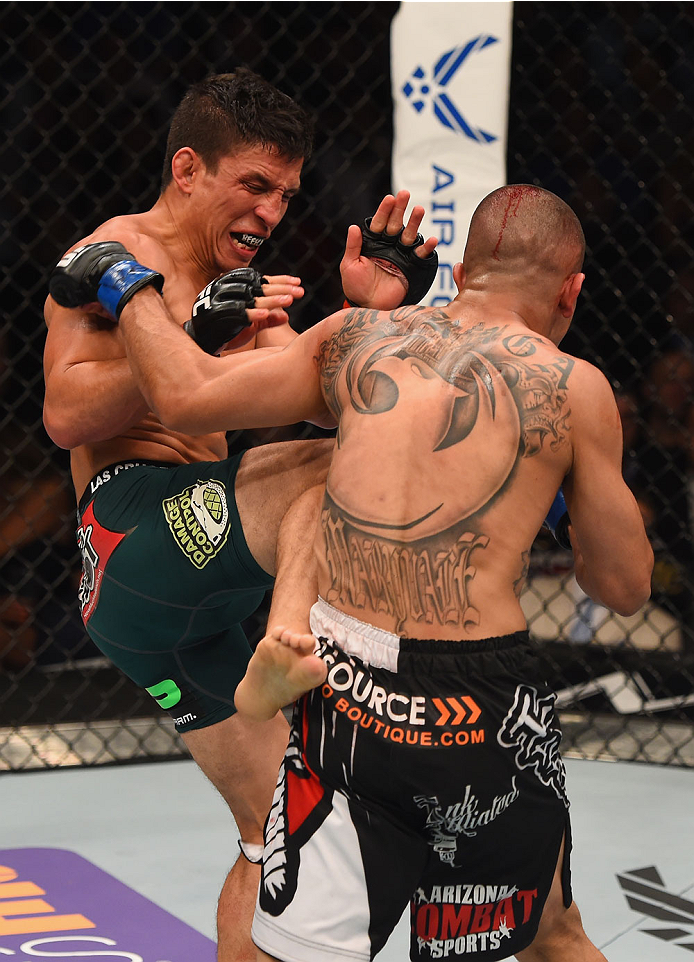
{"x":473,"y":402}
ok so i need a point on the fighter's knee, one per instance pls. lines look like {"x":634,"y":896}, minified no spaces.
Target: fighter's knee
{"x":568,"y":923}
{"x":558,"y":936}
{"x":250,"y":826}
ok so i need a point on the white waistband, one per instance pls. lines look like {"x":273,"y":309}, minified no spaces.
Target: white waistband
{"x":373,"y":645}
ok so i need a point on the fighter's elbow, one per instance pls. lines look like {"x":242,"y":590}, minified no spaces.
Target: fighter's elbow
{"x":641,"y":581}
{"x":177,"y":410}
{"x":183,"y":423}
{"x":628,"y":594}
{"x":631,"y":602}
{"x":65,"y":432}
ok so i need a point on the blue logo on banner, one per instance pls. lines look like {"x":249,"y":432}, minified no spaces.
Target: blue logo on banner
{"x":419,"y":88}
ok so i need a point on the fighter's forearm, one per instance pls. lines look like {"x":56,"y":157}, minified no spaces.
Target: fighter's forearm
{"x":197,"y":393}
{"x":167,"y":365}
{"x":624,"y":591}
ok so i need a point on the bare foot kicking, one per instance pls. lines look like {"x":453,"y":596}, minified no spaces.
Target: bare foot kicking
{"x":283,"y":668}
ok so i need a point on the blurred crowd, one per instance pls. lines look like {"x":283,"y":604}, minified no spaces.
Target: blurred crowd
{"x":658,"y":428}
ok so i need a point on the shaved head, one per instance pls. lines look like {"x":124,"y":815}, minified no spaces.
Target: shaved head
{"x":522,"y":230}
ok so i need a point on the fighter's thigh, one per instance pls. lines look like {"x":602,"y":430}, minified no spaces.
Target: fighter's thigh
{"x":269,"y":479}
{"x":242,"y":758}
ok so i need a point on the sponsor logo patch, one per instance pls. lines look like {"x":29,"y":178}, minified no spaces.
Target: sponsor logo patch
{"x":178,"y":700}
{"x":198,"y":518}
{"x":404,"y":732}
{"x":398,"y":717}
{"x":469,"y":918}
{"x":466,"y":817}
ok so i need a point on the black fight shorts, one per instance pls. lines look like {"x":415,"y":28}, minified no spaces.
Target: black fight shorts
{"x":421,"y":772}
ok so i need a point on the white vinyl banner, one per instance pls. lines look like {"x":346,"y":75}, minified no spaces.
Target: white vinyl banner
{"x":450,"y":80}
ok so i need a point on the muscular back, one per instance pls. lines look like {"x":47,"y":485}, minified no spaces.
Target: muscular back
{"x":454,"y":437}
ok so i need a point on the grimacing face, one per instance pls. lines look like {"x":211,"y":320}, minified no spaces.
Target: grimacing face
{"x":238,"y":206}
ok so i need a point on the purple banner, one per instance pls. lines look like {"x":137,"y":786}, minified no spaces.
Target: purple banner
{"x":56,"y":904}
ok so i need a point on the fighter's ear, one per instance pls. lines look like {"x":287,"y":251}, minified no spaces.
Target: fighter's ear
{"x":185,"y":164}
{"x":459,"y":276}
{"x":569,"y":295}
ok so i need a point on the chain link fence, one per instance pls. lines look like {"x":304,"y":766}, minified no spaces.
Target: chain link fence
{"x":600,"y":112}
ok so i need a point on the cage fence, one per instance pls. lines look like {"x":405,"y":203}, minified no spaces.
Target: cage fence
{"x":600,"y":112}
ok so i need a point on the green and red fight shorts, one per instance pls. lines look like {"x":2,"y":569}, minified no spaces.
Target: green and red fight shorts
{"x":167,"y":577}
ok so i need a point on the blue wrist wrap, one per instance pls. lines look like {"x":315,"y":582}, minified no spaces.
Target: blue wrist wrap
{"x":120,"y":281}
{"x":557,"y":520}
{"x":556,"y":511}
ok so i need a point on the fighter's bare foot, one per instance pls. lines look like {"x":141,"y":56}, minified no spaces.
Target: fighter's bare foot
{"x":283,"y":668}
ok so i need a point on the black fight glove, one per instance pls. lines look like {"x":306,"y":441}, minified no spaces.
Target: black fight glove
{"x":104,"y":271}
{"x":419,"y":272}
{"x":219,"y":311}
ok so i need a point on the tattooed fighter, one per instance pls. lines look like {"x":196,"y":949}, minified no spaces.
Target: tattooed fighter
{"x":423,"y":765}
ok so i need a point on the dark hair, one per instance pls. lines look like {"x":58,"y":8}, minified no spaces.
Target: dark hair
{"x":229,"y":110}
